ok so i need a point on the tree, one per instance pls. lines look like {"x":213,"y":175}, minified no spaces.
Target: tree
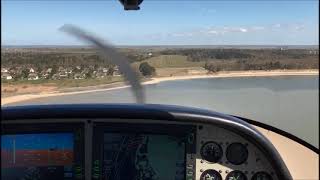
{"x":89,"y":74}
{"x":25,"y":73}
{"x":54,"y":70}
{"x":211,"y":68}
{"x":110,"y":71}
{"x":146,"y":69}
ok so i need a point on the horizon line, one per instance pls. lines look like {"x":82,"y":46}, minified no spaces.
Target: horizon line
{"x":79,"y":45}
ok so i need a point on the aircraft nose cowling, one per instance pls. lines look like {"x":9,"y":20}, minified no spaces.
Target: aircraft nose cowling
{"x":131,"y":4}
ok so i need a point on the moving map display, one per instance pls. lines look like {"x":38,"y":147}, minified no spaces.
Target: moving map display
{"x":37,"y":156}
{"x":143,"y":157}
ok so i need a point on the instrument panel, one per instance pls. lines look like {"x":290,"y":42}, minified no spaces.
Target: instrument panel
{"x":195,"y":146}
{"x":122,"y":150}
{"x":224,"y":155}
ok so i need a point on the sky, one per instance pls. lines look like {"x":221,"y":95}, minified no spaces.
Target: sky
{"x":163,"y":22}
{"x":37,"y":141}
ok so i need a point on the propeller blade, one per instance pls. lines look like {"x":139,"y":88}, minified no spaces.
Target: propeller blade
{"x":115,"y":57}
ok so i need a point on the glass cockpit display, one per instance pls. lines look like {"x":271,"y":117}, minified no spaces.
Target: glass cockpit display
{"x":143,"y":157}
{"x":37,"y":156}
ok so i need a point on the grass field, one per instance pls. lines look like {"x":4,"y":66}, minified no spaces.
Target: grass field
{"x":170,"y":61}
{"x":26,"y":87}
{"x":88,"y":82}
{"x":67,"y":82}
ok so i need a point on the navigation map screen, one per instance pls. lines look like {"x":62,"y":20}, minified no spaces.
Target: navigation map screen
{"x":37,"y":156}
{"x":143,"y":157}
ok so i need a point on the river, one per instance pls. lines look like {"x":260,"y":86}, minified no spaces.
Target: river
{"x":290,"y":103}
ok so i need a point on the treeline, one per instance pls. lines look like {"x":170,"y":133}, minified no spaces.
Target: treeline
{"x":237,"y":59}
{"x":251,"y":59}
{"x":42,"y":60}
{"x":45,"y":60}
{"x":211,"y":54}
{"x":243,"y":65}
{"x":204,"y":54}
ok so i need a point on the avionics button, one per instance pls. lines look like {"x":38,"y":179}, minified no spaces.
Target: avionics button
{"x":190,"y":166}
{"x":190,"y":172}
{"x":190,"y":156}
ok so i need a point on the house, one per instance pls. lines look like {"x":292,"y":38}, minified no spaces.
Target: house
{"x":105,"y":70}
{"x":13,"y":71}
{"x":46,"y":73}
{"x":63,"y":74}
{"x":4,"y":70}
{"x":6,"y":76}
{"x":116,"y":73}
{"x":283,"y":48}
{"x":79,"y":76}
{"x":49,"y":70}
{"x":55,"y":77}
{"x":313,"y":52}
{"x":33,"y":76}
{"x":150,"y":54}
{"x":31,"y":70}
{"x":69,"y":70}
{"x":101,"y":74}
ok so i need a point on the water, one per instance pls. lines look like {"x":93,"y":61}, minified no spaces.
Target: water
{"x":290,"y":103}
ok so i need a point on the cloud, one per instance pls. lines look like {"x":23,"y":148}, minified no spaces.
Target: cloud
{"x":223,"y":30}
{"x":177,"y":34}
{"x":276,"y":25}
{"x":208,"y":10}
{"x":295,"y":27}
{"x":213,"y":32}
{"x":182,"y":34}
{"x":298,"y":27}
{"x":210,"y":31}
{"x":243,"y":30}
{"x":257,"y":28}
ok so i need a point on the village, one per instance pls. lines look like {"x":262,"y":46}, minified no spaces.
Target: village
{"x":57,"y":73}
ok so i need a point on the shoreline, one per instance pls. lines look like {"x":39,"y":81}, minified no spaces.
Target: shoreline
{"x":233,"y":74}
{"x":155,"y":80}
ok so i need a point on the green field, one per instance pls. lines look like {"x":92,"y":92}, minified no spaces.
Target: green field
{"x":170,"y":61}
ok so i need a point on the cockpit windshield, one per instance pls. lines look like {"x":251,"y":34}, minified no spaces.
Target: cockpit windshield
{"x":254,"y":59}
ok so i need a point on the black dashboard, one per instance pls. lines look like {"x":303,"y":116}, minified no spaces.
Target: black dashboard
{"x":126,"y":141}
